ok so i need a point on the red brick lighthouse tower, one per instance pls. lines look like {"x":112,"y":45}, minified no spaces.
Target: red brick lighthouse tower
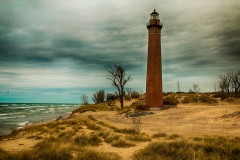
{"x":154,"y":98}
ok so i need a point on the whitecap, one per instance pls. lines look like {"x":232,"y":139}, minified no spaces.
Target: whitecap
{"x":20,"y":116}
{"x":7,"y":117}
{"x":4,"y":105}
{"x":22,"y":107}
{"x":3,"y":114}
{"x":23,"y":123}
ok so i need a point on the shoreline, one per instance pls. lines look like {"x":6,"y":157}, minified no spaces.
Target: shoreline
{"x":43,"y":121}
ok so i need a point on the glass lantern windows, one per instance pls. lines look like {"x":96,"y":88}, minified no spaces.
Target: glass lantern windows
{"x":154,"y":16}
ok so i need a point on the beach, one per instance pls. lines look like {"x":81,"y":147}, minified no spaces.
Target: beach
{"x":109,"y":133}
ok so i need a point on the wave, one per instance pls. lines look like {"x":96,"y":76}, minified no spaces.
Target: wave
{"x":22,"y":108}
{"x":4,"y":105}
{"x":23,"y":123}
{"x":3,"y":114}
{"x":21,"y":116}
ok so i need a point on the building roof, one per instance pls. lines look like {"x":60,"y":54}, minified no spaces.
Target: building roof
{"x":154,"y":12}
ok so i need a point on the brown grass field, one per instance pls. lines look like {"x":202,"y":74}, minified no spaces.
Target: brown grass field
{"x":191,"y":131}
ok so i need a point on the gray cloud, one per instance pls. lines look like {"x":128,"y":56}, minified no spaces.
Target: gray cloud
{"x":200,"y":40}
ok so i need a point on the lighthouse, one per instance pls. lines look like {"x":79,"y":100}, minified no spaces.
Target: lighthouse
{"x":154,"y":97}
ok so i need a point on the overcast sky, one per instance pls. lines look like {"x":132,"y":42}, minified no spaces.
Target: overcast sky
{"x":54,"y":51}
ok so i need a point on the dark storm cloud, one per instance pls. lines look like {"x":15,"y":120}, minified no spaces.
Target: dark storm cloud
{"x":41,"y":44}
{"x":202,"y":38}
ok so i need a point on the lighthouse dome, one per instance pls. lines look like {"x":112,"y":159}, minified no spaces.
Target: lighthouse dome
{"x":154,"y":15}
{"x":154,"y":12}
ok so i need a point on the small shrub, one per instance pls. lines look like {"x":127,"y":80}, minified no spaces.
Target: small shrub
{"x":138,"y":105}
{"x":206,"y":99}
{"x":230,"y":99}
{"x":99,"y":97}
{"x":170,"y":100}
{"x":84,"y":99}
{"x":135,"y":94}
{"x":128,"y":98}
{"x":136,"y":125}
{"x":223,"y":95}
{"x":190,"y":99}
{"x":112,"y":97}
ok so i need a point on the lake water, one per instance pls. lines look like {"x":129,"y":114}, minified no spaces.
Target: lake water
{"x":18,"y":115}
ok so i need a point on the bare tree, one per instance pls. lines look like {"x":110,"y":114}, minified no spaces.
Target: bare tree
{"x":84,"y":99}
{"x":136,"y":125}
{"x":117,"y":75}
{"x":230,"y":82}
{"x":190,"y":90}
{"x":128,"y":96}
{"x":99,"y":97}
{"x":215,"y":87}
{"x":178,"y":86}
{"x":225,"y":82}
{"x":235,"y":81}
{"x":196,"y":88}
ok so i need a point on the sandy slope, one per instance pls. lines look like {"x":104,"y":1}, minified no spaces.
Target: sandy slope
{"x":185,"y":119}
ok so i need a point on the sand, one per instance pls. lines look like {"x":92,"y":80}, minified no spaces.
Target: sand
{"x":190,"y":119}
{"x":185,"y":119}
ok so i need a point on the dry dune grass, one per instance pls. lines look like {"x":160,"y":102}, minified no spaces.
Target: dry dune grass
{"x":190,"y":131}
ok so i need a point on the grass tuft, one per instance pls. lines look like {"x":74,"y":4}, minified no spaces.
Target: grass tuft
{"x":174,"y":136}
{"x":122,"y":143}
{"x":95,"y":108}
{"x":216,"y":148}
{"x":139,"y":137}
{"x":84,"y":140}
{"x":89,"y":154}
{"x":157,"y":135}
